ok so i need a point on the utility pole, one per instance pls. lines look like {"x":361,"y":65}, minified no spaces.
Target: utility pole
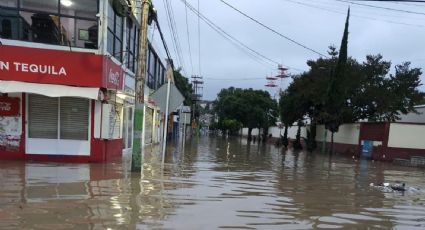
{"x":197,"y":83}
{"x":136,"y":161}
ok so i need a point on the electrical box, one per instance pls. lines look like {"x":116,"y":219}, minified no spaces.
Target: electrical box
{"x":106,"y":121}
{"x":111,"y":121}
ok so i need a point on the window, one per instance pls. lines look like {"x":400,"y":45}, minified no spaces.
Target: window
{"x":6,"y":26}
{"x":50,"y":6}
{"x":155,"y":70}
{"x":65,"y":118}
{"x":132,"y":45}
{"x":9,"y":3}
{"x":80,"y":8}
{"x":115,"y":33}
{"x":59,"y":22}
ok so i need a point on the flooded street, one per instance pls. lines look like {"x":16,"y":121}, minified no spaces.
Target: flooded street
{"x":214,"y":183}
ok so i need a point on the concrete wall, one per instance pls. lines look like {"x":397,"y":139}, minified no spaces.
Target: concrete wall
{"x":347,"y":134}
{"x":407,"y":136}
{"x":275,"y":132}
{"x":292,"y":132}
{"x":245,"y":132}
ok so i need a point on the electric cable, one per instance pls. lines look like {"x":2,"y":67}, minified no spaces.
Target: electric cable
{"x":272,"y":30}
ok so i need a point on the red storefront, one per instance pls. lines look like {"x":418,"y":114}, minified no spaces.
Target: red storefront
{"x":59,"y":105}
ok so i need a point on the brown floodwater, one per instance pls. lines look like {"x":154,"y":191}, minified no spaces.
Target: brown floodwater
{"x":212,"y":183}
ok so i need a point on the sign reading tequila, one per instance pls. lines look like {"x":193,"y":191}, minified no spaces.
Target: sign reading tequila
{"x":32,"y":68}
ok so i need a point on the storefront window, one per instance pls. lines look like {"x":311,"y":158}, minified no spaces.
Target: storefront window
{"x":59,"y":22}
{"x":65,"y":118}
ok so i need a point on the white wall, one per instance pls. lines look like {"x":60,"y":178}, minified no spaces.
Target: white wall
{"x":274,"y":131}
{"x":245,"y":132}
{"x":407,"y":136}
{"x":347,"y":134}
{"x":292,"y":131}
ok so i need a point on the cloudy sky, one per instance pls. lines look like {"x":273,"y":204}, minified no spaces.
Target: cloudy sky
{"x":398,"y":36}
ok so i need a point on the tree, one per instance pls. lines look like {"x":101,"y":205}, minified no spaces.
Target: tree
{"x":230,"y":126}
{"x":339,"y":90}
{"x":185,"y":88}
{"x":253,"y":108}
{"x":336,"y":94}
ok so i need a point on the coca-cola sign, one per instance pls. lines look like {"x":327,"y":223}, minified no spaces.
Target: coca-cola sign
{"x":9,"y":106}
{"x":113,"y":75}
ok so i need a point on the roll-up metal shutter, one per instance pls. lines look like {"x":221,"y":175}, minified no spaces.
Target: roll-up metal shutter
{"x":74,"y":118}
{"x":42,"y":117}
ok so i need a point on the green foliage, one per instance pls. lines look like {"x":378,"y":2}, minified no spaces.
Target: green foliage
{"x":184,"y":86}
{"x":230,"y":125}
{"x":253,"y":108}
{"x":339,"y":90}
{"x":335,"y":99}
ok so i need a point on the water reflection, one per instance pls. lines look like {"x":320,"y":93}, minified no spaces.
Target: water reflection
{"x":214,"y":183}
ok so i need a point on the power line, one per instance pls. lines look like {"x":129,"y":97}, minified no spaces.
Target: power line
{"x":173,"y":40}
{"x":240,"y":45}
{"x":272,"y":30}
{"x":234,"y":79}
{"x":199,"y":42}
{"x":177,"y":35}
{"x":167,"y":51}
{"x":406,"y":3}
{"x":174,"y":34}
{"x":188,"y":39}
{"x":354,"y":15}
{"x":381,"y":7}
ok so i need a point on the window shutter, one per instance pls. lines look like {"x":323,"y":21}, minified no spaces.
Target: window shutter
{"x":43,"y":117}
{"x":74,"y":118}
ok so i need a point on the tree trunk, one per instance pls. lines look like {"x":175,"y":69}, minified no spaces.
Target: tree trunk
{"x":249,"y":134}
{"x":332,"y":143}
{"x":285,"y":137}
{"x":311,"y":137}
{"x":297,"y":143}
{"x":265,"y":133}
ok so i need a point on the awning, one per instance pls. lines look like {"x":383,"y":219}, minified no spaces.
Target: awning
{"x":49,"y":90}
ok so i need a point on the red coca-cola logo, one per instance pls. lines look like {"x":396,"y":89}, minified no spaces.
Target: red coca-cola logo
{"x":9,"y":106}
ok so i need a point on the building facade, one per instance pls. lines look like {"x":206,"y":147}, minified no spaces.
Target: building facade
{"x":67,"y":79}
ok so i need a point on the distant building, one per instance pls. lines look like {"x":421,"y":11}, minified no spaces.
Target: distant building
{"x":414,"y":117}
